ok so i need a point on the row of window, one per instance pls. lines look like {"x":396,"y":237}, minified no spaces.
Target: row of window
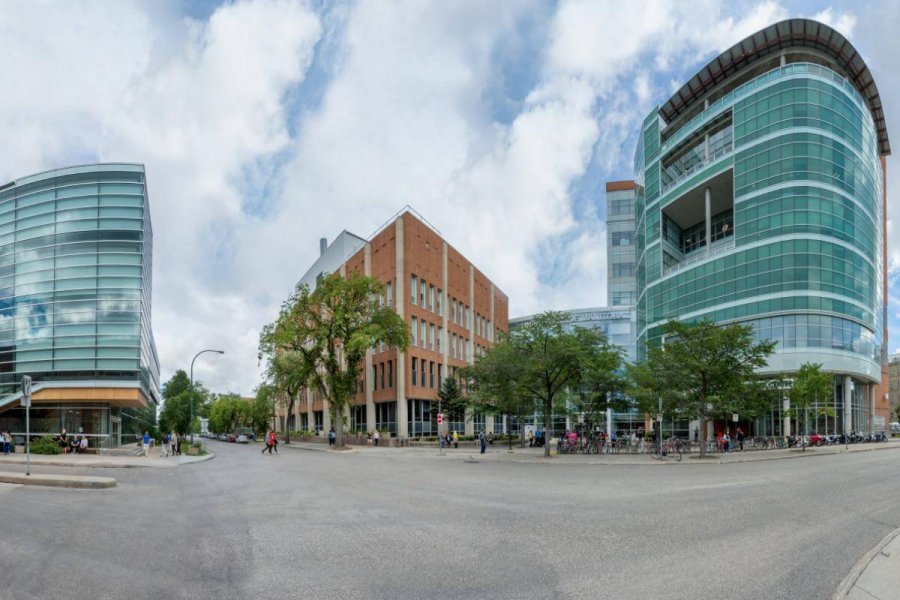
{"x":816,"y":331}
{"x":621,"y":207}
{"x":60,"y":193}
{"x":431,"y":337}
{"x":428,"y":297}
{"x":623,"y":269}
{"x":424,"y":371}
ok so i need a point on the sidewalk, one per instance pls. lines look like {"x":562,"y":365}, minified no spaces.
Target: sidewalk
{"x":877,"y":575}
{"x":518,"y":454}
{"x":104,"y":461}
{"x":66,"y":481}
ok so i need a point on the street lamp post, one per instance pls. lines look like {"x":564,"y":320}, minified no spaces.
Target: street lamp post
{"x":191,"y":425}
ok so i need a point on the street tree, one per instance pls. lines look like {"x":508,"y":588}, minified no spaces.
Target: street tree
{"x":262,"y":410}
{"x":602,"y":376}
{"x":495,"y":385}
{"x":702,"y":366}
{"x":176,"y":412}
{"x":810,"y":386}
{"x":551,"y":356}
{"x":322,"y":337}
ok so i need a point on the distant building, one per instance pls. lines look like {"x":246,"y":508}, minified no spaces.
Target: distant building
{"x":454,"y":313}
{"x":894,"y":385}
{"x":620,"y":244}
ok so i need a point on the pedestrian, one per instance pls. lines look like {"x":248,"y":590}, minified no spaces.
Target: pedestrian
{"x":726,"y":441}
{"x":4,"y":438}
{"x":164,"y":447}
{"x":331,"y":437}
{"x":63,"y":442}
{"x":530,"y":439}
{"x":273,"y":442}
{"x":266,"y":440}
{"x":146,"y":443}
{"x":173,"y":442}
{"x":482,"y":440}
{"x":740,"y":439}
{"x":456,"y":439}
{"x":376,"y":436}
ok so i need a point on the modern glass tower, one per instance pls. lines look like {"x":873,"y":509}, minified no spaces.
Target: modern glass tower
{"x":761,"y":200}
{"x":75,"y":298}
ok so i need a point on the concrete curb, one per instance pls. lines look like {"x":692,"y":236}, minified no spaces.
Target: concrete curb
{"x":65,"y":481}
{"x":198,"y":459}
{"x":859,"y":568}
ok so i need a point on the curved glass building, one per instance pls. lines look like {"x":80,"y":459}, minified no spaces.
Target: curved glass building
{"x":761,"y":200}
{"x":75,"y":299}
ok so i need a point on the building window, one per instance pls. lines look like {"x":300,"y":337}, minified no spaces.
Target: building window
{"x":413,"y":288}
{"x":431,"y":298}
{"x":431,"y":374}
{"x":422,"y":338}
{"x":385,"y":416}
{"x":422,"y":293}
{"x":431,"y":336}
{"x":382,"y":375}
{"x":440,"y":375}
{"x":389,"y":293}
{"x":453,"y":310}
{"x":414,"y":378}
{"x":623,"y":299}
{"x":440,"y":334}
{"x":621,"y":207}
{"x":390,"y":373}
{"x":453,"y":346}
{"x":414,"y":331}
{"x":623,"y":270}
{"x":468,"y":317}
{"x":440,"y":303}
{"x":374,"y":377}
{"x":622,"y":238}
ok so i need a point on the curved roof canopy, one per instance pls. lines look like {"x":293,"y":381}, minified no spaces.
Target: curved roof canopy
{"x":793,"y":33}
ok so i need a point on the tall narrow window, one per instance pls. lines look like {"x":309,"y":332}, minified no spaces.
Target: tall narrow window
{"x":431,"y":374}
{"x":453,"y":345}
{"x":422,"y":293}
{"x":389,"y":293}
{"x":374,"y":377}
{"x":414,"y":361}
{"x":440,"y":334}
{"x":431,"y":298}
{"x":382,"y":375}
{"x":414,"y":331}
{"x":413,"y":288}
{"x":453,"y":310}
{"x":423,"y":338}
{"x":440,"y":303}
{"x":440,"y":374}
{"x":390,"y":373}
{"x":431,"y":336}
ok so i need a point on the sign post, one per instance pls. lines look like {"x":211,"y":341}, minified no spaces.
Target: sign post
{"x":440,"y":421}
{"x":26,"y":402}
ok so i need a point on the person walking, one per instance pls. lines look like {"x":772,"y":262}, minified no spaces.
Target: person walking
{"x":146,"y":444}
{"x":331,"y":436}
{"x":530,"y":438}
{"x":273,"y":442}
{"x":376,"y":436}
{"x":164,"y":447}
{"x":7,"y":442}
{"x":482,"y":441}
{"x":456,"y":439}
{"x":173,"y":442}
{"x":740,"y":439}
{"x":266,"y":440}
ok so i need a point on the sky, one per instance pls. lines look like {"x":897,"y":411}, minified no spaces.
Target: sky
{"x":267,"y":124}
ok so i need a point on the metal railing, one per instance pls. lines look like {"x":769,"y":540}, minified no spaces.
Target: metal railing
{"x":715,"y":249}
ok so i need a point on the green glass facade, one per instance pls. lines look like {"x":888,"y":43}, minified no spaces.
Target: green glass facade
{"x":785,"y":167}
{"x":75,"y":287}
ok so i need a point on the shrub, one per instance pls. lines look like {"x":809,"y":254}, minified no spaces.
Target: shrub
{"x":45,"y":445}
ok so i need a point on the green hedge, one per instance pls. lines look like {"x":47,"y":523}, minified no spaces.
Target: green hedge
{"x":45,"y":445}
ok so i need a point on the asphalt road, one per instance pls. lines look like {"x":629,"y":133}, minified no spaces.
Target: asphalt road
{"x":396,"y":524}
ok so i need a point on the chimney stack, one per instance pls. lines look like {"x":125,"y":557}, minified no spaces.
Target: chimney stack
{"x":323,"y":245}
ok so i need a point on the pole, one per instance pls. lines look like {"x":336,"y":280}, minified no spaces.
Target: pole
{"x":191,"y":395}
{"x":28,"y":439}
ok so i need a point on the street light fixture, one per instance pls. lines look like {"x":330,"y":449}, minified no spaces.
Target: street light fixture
{"x":191,"y":425}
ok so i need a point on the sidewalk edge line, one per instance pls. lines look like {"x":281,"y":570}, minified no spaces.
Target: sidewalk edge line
{"x":856,"y":572}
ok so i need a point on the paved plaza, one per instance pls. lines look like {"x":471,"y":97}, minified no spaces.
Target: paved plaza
{"x":393,"y":523}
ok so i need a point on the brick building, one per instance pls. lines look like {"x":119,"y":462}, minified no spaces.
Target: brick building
{"x":454,"y":313}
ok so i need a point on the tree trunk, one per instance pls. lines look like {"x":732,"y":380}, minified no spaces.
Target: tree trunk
{"x":548,"y":410}
{"x":289,"y":407}
{"x":702,"y":435}
{"x":337,"y":420}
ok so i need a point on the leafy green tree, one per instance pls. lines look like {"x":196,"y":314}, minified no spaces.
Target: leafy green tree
{"x":602,"y":376}
{"x":451,"y":400}
{"x":323,"y":336}
{"x":261,"y":409}
{"x":494,"y":384}
{"x":810,"y":386}
{"x":703,"y":366}
{"x":176,"y":414}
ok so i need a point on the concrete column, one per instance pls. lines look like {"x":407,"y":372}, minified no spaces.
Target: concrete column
{"x":489,"y":424}
{"x":871,"y":408}
{"x":370,"y":384}
{"x":470,"y":424}
{"x":707,"y":194}
{"x":848,"y":405}
{"x":445,"y":305}
{"x":310,"y":417}
{"x":402,"y":413}
{"x":326,"y":416}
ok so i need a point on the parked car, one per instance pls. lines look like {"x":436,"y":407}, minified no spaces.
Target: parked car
{"x":232,"y":438}
{"x":242,"y":439}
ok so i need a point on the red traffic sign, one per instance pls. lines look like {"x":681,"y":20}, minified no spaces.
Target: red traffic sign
{"x":440,"y":418}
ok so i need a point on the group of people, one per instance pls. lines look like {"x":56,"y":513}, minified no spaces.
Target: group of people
{"x":75,"y":444}
{"x":6,"y":442}
{"x":271,"y":441}
{"x":170,"y":442}
{"x":727,"y":443}
{"x":536,"y":440}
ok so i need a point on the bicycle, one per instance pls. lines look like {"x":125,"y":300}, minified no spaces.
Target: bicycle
{"x":670,"y":447}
